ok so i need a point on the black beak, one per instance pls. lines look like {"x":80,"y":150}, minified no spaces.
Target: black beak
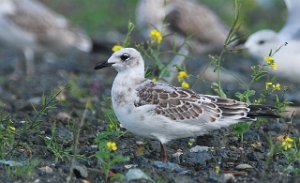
{"x":102,"y":65}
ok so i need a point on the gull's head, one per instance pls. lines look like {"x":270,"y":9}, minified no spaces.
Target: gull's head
{"x":262,"y":42}
{"x":123,"y":60}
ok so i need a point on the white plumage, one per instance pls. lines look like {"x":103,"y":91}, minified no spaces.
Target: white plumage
{"x":262,"y":42}
{"x":164,"y":112}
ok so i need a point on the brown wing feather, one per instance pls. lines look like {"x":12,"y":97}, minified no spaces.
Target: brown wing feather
{"x":182,"y":104}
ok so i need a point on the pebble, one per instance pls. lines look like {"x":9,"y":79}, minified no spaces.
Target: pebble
{"x":11,"y":163}
{"x":136,"y":174}
{"x":129,"y":166}
{"x":198,"y":158}
{"x":63,"y":116}
{"x":243,"y":166}
{"x":35,"y":100}
{"x":199,"y":149}
{"x":228,"y":177}
{"x":80,"y":171}
{"x":63,"y":135}
{"x":46,"y":169}
{"x":168,"y":166}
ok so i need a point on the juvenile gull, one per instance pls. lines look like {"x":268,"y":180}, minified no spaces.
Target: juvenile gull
{"x":181,"y":19}
{"x":260,"y":43}
{"x":186,"y":24}
{"x":31,"y":27}
{"x":164,"y":112}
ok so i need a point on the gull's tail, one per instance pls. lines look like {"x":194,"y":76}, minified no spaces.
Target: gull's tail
{"x":262,"y":111}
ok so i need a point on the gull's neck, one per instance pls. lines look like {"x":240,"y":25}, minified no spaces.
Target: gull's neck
{"x":124,"y":86}
{"x":131,"y":76}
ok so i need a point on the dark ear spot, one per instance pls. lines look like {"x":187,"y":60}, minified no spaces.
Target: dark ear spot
{"x":261,"y":42}
{"x":124,"y":57}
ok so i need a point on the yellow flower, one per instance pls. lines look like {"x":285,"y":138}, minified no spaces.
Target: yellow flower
{"x":269,"y":60}
{"x":268,"y":84}
{"x":12,"y":128}
{"x":154,"y":79}
{"x":155,"y":35}
{"x":112,"y":146}
{"x":274,"y":66}
{"x":185,"y":85}
{"x":286,"y":141}
{"x":117,"y":48}
{"x":276,"y":87}
{"x":182,"y":75}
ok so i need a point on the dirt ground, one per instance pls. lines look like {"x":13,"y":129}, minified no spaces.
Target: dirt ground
{"x":224,"y":161}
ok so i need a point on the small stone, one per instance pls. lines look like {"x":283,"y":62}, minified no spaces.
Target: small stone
{"x":11,"y":163}
{"x":199,"y":149}
{"x":35,"y":100}
{"x":80,"y":171}
{"x":198,"y":158}
{"x":136,"y":174}
{"x":46,"y":169}
{"x":63,"y":135}
{"x":37,"y":181}
{"x":129,"y":166}
{"x":228,"y":177}
{"x":63,"y":116}
{"x":139,"y":142}
{"x":243,"y":166}
{"x":168,"y":166}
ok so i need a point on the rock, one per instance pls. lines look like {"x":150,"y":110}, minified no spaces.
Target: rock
{"x":243,"y":166}
{"x":35,"y":100}
{"x":63,"y":116}
{"x":37,"y":181}
{"x":198,"y":158}
{"x":136,"y":174}
{"x":168,"y":166}
{"x":11,"y":163}
{"x":80,"y":171}
{"x":46,"y":169}
{"x":129,"y":166}
{"x":63,"y":135}
{"x":199,"y":149}
{"x":228,"y":177}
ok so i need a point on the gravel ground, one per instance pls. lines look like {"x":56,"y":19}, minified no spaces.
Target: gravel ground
{"x":218,"y":157}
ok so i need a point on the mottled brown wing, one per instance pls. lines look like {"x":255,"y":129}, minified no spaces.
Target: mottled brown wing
{"x":192,"y":19}
{"x":177,"y":103}
{"x":181,"y":104}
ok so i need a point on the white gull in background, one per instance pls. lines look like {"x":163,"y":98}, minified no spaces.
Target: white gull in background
{"x":31,"y":28}
{"x":164,"y":112}
{"x":260,"y":43}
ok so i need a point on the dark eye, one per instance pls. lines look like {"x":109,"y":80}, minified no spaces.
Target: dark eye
{"x":124,"y":57}
{"x":260,"y":42}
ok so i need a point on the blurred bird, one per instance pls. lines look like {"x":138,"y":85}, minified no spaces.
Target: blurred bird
{"x":287,"y":57}
{"x":185,"y":24}
{"x":180,"y":19}
{"x":31,"y":27}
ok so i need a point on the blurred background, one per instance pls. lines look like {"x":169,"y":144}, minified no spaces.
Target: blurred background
{"x":107,"y":21}
{"x":101,"y":17}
